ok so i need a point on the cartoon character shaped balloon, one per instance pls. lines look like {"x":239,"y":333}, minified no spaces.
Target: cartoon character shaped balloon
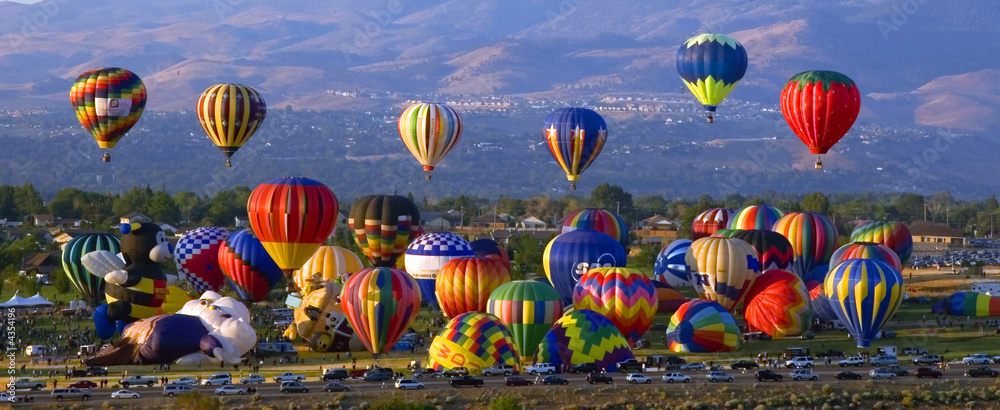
{"x":583,"y":336}
{"x":864,"y":294}
{"x":329,"y":264}
{"x":108,"y":102}
{"x":249,"y":269}
{"x":625,"y":296}
{"x":778,"y":304}
{"x":430,"y":131}
{"x":671,"y":266}
{"x":726,"y":268}
{"x":90,"y":285}
{"x":575,"y":137}
{"x":820,"y":107}
{"x":380,"y":303}
{"x":426,"y":256}
{"x":474,"y":340}
{"x":598,"y":220}
{"x":230,"y":114}
{"x":320,"y":320}
{"x":197,"y":258}
{"x":465,"y":284}
{"x":382,"y":226}
{"x":711,"y":66}
{"x":528,"y":308}
{"x":570,"y":255}
{"x":702,"y":326}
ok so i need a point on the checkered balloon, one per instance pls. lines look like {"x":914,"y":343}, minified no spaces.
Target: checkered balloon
{"x":427,"y":255}
{"x":197,"y":258}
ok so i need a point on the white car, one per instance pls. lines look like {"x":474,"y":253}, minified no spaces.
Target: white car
{"x":693,"y":366}
{"x":881,"y":373}
{"x":636,"y":378}
{"x":799,"y":362}
{"x":253,"y":378}
{"x":803,"y":374}
{"x":499,"y":370}
{"x":220,"y":379}
{"x":190,"y":381}
{"x":124,"y":394}
{"x":852,"y":361}
{"x":676,"y":378}
{"x":407,"y":384}
{"x":978,"y":358}
{"x":717,"y":376}
{"x":289,"y":377}
{"x":230,"y":389}
{"x":541,"y":368}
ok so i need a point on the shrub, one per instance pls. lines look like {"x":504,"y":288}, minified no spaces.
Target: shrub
{"x":506,"y":402}
{"x":197,"y":401}
{"x":397,"y":403}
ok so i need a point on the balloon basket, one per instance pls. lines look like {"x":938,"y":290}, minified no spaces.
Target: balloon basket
{"x":572,"y":186}
{"x":427,"y":175}
{"x":229,"y":164}
{"x":107,"y":157}
{"x":819,"y":164}
{"x":711,"y":119}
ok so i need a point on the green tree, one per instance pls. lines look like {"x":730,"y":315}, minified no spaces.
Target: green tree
{"x":162,"y":208}
{"x":611,"y":197}
{"x":28,"y":201}
{"x":193,"y":207}
{"x":60,"y":281}
{"x":816,"y":202}
{"x":135,"y":199}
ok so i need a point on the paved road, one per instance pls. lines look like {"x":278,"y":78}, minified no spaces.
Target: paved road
{"x":826,"y":375}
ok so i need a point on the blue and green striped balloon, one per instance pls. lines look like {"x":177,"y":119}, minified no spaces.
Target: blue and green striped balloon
{"x":89,"y":285}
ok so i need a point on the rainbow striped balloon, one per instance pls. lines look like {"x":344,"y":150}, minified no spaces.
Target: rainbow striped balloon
{"x":528,"y":308}
{"x":598,"y":220}
{"x":892,"y":234}
{"x":866,"y":250}
{"x":473,"y":340}
{"x":584,"y":336}
{"x":756,"y":217}
{"x":626,"y":296}
{"x":702,"y":326}
{"x":968,"y":304}
{"x":778,"y":304}
{"x":465,"y":284}
{"x":864,"y":294}
{"x":813,"y":238}
{"x":430,"y":131}
{"x":380,"y":303}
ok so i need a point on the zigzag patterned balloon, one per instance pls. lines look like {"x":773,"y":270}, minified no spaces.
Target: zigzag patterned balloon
{"x":625,"y":296}
{"x":584,"y":336}
{"x":474,"y":340}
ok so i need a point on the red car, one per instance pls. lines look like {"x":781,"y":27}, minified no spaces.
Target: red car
{"x":83,"y":384}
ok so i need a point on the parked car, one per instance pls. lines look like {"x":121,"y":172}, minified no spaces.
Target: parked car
{"x":897,"y":370}
{"x":676,"y":377}
{"x":517,"y":381}
{"x":803,"y":374}
{"x":218,"y":379}
{"x":97,"y":371}
{"x":554,"y":380}
{"x":70,"y":394}
{"x":718,"y":376}
{"x":978,"y":358}
{"x":923,"y":372}
{"x":856,"y":361}
{"x":253,"y":378}
{"x":636,"y":378}
{"x":376,"y":377}
{"x":499,"y":370}
{"x":190,"y":381}
{"x":881,"y":373}
{"x":289,"y":377}
{"x":541,"y":368}
{"x":599,"y":377}
{"x":293,"y":387}
{"x":673,"y":362}
{"x":124,"y":394}
{"x":693,"y":366}
{"x":172,"y":390}
{"x":455,"y":372}
{"x":584,"y":368}
{"x":466,"y":381}
{"x":631,"y":366}
{"x":996,"y":359}
{"x":230,"y":389}
{"x":927,"y":359}
{"x":421,"y":373}
{"x":336,"y":386}
{"x":799,"y":362}
{"x":912,"y":351}
{"x":767,"y":375}
{"x":83,"y":384}
{"x":883,"y":360}
{"x":848,"y":375}
{"x":335,"y":374}
{"x":808,"y":335}
{"x":407,"y":384}
{"x":744,"y":364}
{"x":138,"y":380}
{"x":982,"y":371}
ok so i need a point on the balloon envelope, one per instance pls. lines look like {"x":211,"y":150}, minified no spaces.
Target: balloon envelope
{"x":108,"y":102}
{"x":430,"y":131}
{"x":528,"y":308}
{"x":773,"y":249}
{"x":292,"y":217}
{"x":230,"y":114}
{"x":778,"y":304}
{"x":329,"y":264}
{"x":755,"y":217}
{"x":865,"y":293}
{"x":706,"y":223}
{"x":575,"y":137}
{"x":726,"y":268}
{"x":380,"y":303}
{"x":250,"y":270}
{"x":197,"y":258}
{"x":584,"y":336}
{"x":426,"y":256}
{"x":894,"y":235}
{"x":625,"y":296}
{"x":382,"y":226}
{"x":570,"y":255}
{"x":488,"y":248}
{"x":465,"y":284}
{"x":702,"y":326}
{"x":474,"y":340}
{"x":671,"y":266}
{"x":968,"y":304}
{"x":89,"y":285}
{"x":820,"y":107}
{"x":711,"y":65}
{"x":813,"y":237}
{"x":321,"y":321}
{"x":668,"y":298}
{"x":865,"y":250}
{"x":598,"y":220}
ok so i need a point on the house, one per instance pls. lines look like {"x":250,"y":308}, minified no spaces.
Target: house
{"x":167,"y":228}
{"x":135,"y":217}
{"x":529,"y":221}
{"x":69,"y":223}
{"x":341,"y":221}
{"x":38,"y":263}
{"x":937,"y":233}
{"x":489,"y":220}
{"x":43,"y":220}
{"x":242,"y":222}
{"x":658,"y":222}
{"x":440,"y":220}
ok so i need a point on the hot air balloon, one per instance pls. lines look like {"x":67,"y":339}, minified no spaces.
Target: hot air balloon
{"x":668,"y":299}
{"x":380,"y":303}
{"x":427,"y":254}
{"x":725,"y":269}
{"x":250,"y":270}
{"x":465,"y":284}
{"x":671,"y":266}
{"x":175,"y":300}
{"x":382,"y":226}
{"x":197,"y":258}
{"x":968,"y":304}
{"x":625,"y":296}
{"x":89,"y":285}
{"x":773,"y":249}
{"x":820,"y":107}
{"x":320,"y":320}
{"x":865,"y":250}
{"x":329,"y":264}
{"x":864,"y":293}
{"x":230,"y":114}
{"x":488,"y":248}
{"x":474,"y":340}
{"x":820,"y":303}
{"x":813,"y":237}
{"x":583,"y":336}
{"x":108,"y":102}
{"x":711,"y":65}
{"x":724,"y":233}
{"x":778,"y":304}
{"x":575,"y":136}
{"x":702,"y":326}
{"x":760,"y":217}
{"x":597,"y":220}
{"x":293,"y":217}
{"x":710,"y":221}
{"x":528,"y":308}
{"x":570,"y":255}
{"x":430,"y":131}
{"x":894,"y":235}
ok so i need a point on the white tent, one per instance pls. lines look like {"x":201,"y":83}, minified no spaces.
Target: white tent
{"x":39,"y":301}
{"x":15,"y":302}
